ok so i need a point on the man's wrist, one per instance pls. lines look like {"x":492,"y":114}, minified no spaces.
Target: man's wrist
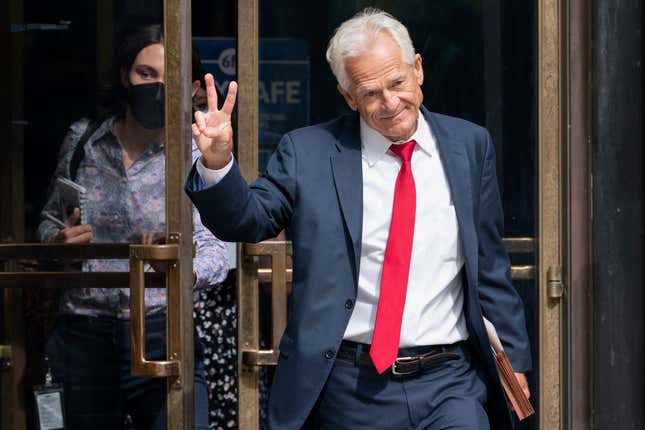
{"x":212,"y":177}
{"x":216,"y":162}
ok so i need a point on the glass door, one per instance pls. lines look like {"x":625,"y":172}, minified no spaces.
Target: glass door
{"x":97,"y":243}
{"x":495,"y":63}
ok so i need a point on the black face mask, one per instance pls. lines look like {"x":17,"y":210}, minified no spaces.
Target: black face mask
{"x":147,"y":104}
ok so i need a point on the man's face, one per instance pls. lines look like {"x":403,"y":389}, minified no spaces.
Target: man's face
{"x":384,"y":89}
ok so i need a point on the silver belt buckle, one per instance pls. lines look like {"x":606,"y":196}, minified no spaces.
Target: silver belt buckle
{"x":402,"y":360}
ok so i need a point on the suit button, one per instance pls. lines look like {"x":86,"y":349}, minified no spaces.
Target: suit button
{"x":349,"y":304}
{"x":329,"y":354}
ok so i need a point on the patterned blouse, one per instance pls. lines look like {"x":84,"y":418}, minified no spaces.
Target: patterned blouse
{"x":120,"y":206}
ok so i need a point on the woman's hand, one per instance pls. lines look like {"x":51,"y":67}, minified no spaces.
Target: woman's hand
{"x":155,"y":238}
{"x":213,"y":130}
{"x":74,"y":233}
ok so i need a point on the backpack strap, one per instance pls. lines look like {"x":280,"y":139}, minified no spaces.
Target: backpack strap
{"x":79,"y":151}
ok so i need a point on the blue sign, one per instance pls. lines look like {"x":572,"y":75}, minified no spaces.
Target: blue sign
{"x":283,"y":87}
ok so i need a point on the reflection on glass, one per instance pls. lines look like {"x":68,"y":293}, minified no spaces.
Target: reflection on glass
{"x":216,"y":313}
{"x":90,"y":126}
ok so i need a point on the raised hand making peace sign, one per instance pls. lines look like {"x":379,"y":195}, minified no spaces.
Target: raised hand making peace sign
{"x":213,"y":130}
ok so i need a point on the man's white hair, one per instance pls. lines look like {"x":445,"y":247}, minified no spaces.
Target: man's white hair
{"x":354,"y":36}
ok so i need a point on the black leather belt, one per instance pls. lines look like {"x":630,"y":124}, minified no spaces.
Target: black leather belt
{"x":410,"y":360}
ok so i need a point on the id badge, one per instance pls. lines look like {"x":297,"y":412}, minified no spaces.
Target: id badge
{"x":49,"y":407}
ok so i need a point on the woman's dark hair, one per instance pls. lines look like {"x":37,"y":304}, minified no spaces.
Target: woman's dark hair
{"x":130,"y":40}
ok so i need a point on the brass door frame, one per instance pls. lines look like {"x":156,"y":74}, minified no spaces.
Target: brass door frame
{"x":247,"y":158}
{"x":577,"y":182}
{"x":551,"y":239}
{"x":551,"y":144}
{"x":179,"y":228}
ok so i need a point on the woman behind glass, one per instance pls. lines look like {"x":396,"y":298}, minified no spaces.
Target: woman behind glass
{"x":123,"y":171}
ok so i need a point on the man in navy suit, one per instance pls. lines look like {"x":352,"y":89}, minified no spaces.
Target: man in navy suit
{"x":396,"y":223}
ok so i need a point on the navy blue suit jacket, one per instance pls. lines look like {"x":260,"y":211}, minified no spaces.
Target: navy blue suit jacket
{"x":313,"y":187}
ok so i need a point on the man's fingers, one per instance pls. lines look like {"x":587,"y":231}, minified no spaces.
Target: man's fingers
{"x":220,"y":132}
{"x":196,"y":131}
{"x":521,"y":378}
{"x":211,"y":93}
{"x":200,"y":120}
{"x":229,"y":103}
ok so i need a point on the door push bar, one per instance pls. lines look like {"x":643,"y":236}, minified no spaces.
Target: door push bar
{"x":278,"y":251}
{"x":138,"y":254}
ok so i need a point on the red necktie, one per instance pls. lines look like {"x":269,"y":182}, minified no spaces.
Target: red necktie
{"x":396,"y":264}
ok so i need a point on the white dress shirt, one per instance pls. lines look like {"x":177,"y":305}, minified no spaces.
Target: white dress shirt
{"x":211,"y":177}
{"x":433,"y":312}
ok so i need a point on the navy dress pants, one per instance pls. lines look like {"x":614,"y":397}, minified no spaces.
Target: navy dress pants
{"x":90,"y":357}
{"x":450,"y":395}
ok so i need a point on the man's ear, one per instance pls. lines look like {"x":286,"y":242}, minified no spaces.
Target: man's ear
{"x":418,"y":69}
{"x":348,"y":97}
{"x":195,"y":87}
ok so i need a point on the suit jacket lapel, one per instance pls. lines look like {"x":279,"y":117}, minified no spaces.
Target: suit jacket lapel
{"x":348,"y":179}
{"x":457,"y":169}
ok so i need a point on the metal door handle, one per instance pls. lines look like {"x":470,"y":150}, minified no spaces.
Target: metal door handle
{"x":140,"y":366}
{"x":278,"y":250}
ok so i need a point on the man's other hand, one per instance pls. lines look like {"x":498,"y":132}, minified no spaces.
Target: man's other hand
{"x":523,"y":383}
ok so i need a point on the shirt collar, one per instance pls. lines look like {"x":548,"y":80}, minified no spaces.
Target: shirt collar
{"x":106,"y":127}
{"x":374,"y":145}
